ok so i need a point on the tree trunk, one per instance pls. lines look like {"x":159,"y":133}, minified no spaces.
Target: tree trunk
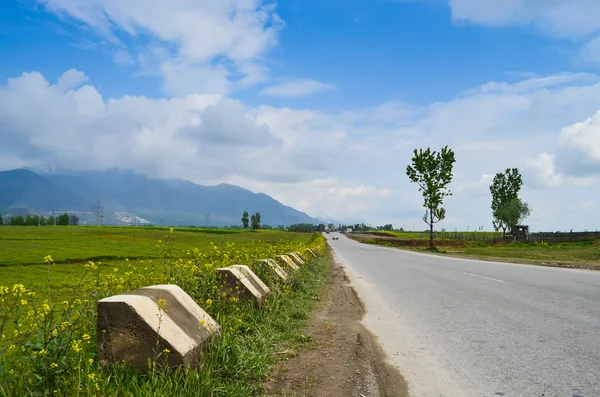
{"x":430,"y":228}
{"x":504,"y":232}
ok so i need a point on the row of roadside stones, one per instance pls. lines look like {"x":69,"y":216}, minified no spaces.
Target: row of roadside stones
{"x":133,"y":330}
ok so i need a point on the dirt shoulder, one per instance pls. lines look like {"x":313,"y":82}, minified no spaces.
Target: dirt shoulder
{"x":341,"y":357}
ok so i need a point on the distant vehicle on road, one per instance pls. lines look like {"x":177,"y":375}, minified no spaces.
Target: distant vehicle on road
{"x":335,"y":237}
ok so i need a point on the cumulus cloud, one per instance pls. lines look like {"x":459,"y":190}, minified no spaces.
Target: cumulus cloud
{"x":584,"y":137}
{"x":295,"y":88}
{"x":200,"y":136}
{"x":544,"y":171}
{"x":346,"y":165}
{"x":204,"y":43}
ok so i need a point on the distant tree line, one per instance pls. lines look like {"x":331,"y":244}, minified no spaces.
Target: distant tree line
{"x":36,"y":220}
{"x":357,"y":227}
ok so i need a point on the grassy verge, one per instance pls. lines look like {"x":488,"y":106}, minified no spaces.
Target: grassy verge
{"x":48,"y":345}
{"x":581,"y":254}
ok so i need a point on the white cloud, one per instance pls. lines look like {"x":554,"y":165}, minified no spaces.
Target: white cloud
{"x":72,"y":78}
{"x":346,"y":165}
{"x":206,"y":41}
{"x":544,"y":171}
{"x":295,"y":88}
{"x":572,"y":19}
{"x":584,"y":137}
{"x":563,"y":18}
{"x":122,"y":57}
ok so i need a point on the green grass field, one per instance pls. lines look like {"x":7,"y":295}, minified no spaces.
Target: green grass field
{"x":468,"y":236}
{"x":585,"y":254}
{"x":22,"y":245}
{"x":23,"y":248}
{"x":579,"y":254}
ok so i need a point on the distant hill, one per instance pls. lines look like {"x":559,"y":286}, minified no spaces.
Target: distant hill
{"x":25,"y":189}
{"x":168,"y":201}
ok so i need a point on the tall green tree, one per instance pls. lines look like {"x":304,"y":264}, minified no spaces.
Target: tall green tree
{"x":51,"y":220}
{"x":17,"y":220}
{"x":245,"y":220}
{"x":255,"y":221}
{"x":432,"y":172}
{"x":43,"y":221}
{"x":32,"y":220}
{"x":513,"y":212}
{"x":63,"y":220}
{"x":504,"y":188}
{"x":1,"y":221}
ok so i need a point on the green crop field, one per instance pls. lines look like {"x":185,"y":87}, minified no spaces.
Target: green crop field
{"x":52,"y":277}
{"x":22,"y":245}
{"x":23,"y":248}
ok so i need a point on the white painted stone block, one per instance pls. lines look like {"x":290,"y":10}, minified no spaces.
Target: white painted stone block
{"x":300,"y":255}
{"x":288,"y":261}
{"x":311,"y":252}
{"x":295,"y":257}
{"x":240,"y":281}
{"x":131,"y":327}
{"x":282,"y":274}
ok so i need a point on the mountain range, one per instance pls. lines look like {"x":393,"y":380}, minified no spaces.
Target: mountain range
{"x":127,"y":197}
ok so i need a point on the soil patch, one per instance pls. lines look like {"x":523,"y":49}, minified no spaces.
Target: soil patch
{"x":340,"y":356}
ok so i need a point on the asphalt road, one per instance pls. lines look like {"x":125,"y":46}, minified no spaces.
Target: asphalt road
{"x":458,"y":327}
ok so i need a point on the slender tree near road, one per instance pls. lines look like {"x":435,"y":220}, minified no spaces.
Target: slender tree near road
{"x":1,"y":221}
{"x":245,"y":221}
{"x":432,"y":172}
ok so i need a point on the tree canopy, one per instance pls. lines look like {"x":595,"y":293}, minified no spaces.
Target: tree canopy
{"x":513,"y":212}
{"x":504,"y":189}
{"x":245,"y":221}
{"x":432,"y":172}
{"x":255,"y":221}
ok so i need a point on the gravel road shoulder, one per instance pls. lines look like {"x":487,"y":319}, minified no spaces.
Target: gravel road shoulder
{"x":340,"y":356}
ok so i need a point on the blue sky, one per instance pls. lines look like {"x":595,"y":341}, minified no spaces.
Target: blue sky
{"x":371,"y":51}
{"x":319,"y":102}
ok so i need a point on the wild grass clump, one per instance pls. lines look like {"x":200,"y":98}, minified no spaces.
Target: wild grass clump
{"x":48,"y":348}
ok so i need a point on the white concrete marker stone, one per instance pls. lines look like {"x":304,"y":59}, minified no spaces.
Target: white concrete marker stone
{"x":276,"y":268}
{"x":286,"y":259}
{"x":132,"y":328}
{"x":300,"y":255}
{"x":311,"y":252}
{"x":254,"y":279}
{"x":240,"y":281}
{"x":295,"y":257}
